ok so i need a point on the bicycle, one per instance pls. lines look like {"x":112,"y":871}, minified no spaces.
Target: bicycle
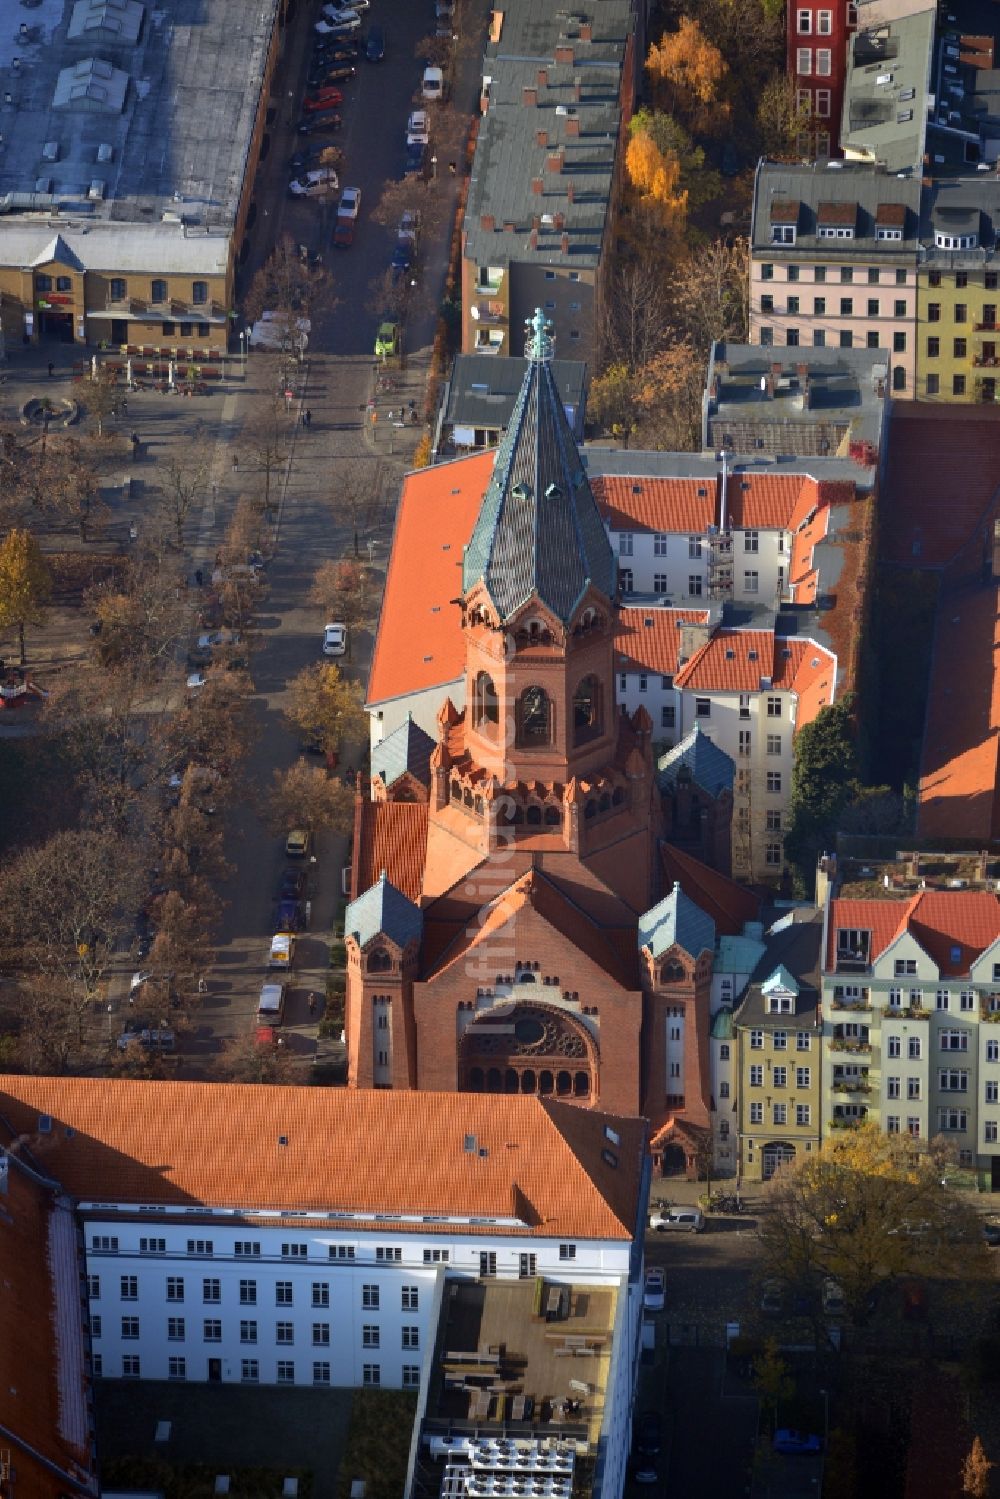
{"x":385,"y":382}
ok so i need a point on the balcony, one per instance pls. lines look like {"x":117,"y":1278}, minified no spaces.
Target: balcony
{"x":489,"y":313}
{"x":851,"y":1084}
{"x":906,"y":1012}
{"x":986,"y":327}
{"x":862,"y":1005}
{"x":986,"y":361}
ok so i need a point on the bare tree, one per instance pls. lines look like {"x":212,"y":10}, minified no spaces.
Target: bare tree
{"x":635,"y":322}
{"x":710,"y":294}
{"x":186,"y":480}
{"x":291,"y":288}
{"x":304,"y":796}
{"x":247,"y":1060}
{"x":102,"y":396}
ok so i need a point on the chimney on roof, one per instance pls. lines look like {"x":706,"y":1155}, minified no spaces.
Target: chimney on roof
{"x":693,"y":635}
{"x":543,"y":78}
{"x":716,"y":387}
{"x":487,"y":222}
{"x":586,"y":32}
{"x":577,"y":89}
{"x":559,"y":220}
{"x":565,"y":244}
{"x":509,"y":226}
{"x":541,"y":137}
{"x":537,"y":186}
{"x":554,"y":160}
{"x":570,"y":191}
{"x":529,"y":97}
{"x":534,"y":239}
{"x":564,"y":54}
{"x":573,"y":124}
{"x":767,"y":383}
{"x":536,"y":222}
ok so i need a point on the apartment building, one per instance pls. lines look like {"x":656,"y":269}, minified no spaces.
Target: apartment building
{"x":557,"y":92}
{"x":834,"y":262}
{"x":777,"y":1025}
{"x":888,"y":84}
{"x":911,"y":1001}
{"x":259,"y":1255}
{"x":958,"y":352}
{"x":817,"y":33}
{"x":107,"y":238}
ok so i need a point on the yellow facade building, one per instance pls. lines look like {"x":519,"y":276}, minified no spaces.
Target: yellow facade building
{"x":958,"y":293}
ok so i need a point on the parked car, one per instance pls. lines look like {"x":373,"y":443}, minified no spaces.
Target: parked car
{"x":387,"y":341}
{"x":292,"y":915}
{"x":771,"y":1299}
{"x":350,"y":203}
{"x":271,"y":1004}
{"x":282,"y":954}
{"x":338,"y":47}
{"x":346,"y":22}
{"x":316,"y":156}
{"x":196,"y":681}
{"x":315,"y":184}
{"x":432,"y":85}
{"x":991,"y":1233}
{"x":418,"y":128}
{"x":645,"y":1470}
{"x":293,"y":884}
{"x":833,"y":1299}
{"x":149,"y":1038}
{"x":318,"y":124}
{"x":323,"y":99}
{"x":409,"y":224}
{"x":674,"y":1220}
{"x":213,"y":638}
{"x":796,"y":1443}
{"x":654,"y":1297}
{"x":375,"y":44}
{"x":327,"y":74}
{"x":413,"y":164}
{"x":298,"y":843}
{"x":343,"y":233}
{"x":334,"y":640}
{"x":648,"y":1431}
{"x":199,"y":656}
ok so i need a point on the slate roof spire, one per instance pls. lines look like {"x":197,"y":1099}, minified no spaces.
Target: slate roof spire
{"x":539,"y":530}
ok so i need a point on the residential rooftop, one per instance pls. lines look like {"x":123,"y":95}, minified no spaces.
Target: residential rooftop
{"x":889,"y":60}
{"x":129,"y":127}
{"x":513,"y":1165}
{"x":483,"y":390}
{"x":960,"y":222}
{"x":542,"y":173}
{"x":913,"y":870}
{"x":794,"y":943}
{"x":802,"y":402}
{"x":807,"y":210}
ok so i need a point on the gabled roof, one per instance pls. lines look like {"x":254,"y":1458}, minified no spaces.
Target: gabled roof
{"x":647,"y":504}
{"x":649,"y":639}
{"x":58,"y":250}
{"x":539,"y":532}
{"x":368,"y":1151}
{"x":740,"y":660}
{"x":391,"y":836}
{"x":709,"y":766}
{"x":676,"y":922}
{"x":729,"y":904}
{"x":383,"y":911}
{"x":419,"y":643}
{"x":954,"y":927}
{"x":781,"y":980}
{"x":408,"y":748}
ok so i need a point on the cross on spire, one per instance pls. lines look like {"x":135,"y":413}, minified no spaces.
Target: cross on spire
{"x":538,"y":348}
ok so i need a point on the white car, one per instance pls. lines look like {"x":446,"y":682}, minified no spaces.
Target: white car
{"x":334,"y":640}
{"x":196,"y":681}
{"x":418,"y":128}
{"x":409,"y":224}
{"x":432,"y":85}
{"x":654,"y":1297}
{"x":347,"y":21}
{"x":314,"y":184}
{"x":350,"y":203}
{"x":282,"y":954}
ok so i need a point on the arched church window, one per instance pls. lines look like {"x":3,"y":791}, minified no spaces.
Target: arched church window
{"x":586,"y":710}
{"x":534,"y":717}
{"x":590,"y":810}
{"x":379,"y":961}
{"x":485,"y":705}
{"x":533,"y":816}
{"x":552,"y":818}
{"x":672,"y":973}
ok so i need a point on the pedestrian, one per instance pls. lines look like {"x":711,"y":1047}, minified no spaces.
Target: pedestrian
{"x":198,"y":576}
{"x":202,"y":986}
{"x":215,"y":491}
{"x":308,"y":416}
{"x":135,"y":445}
{"x":236,"y":464}
{"x":312,"y":1004}
{"x":52,"y":369}
{"x":302,"y":419}
{"x":452,"y":169}
{"x":124,"y":405}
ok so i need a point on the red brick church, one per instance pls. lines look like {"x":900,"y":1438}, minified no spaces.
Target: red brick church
{"x":509,"y":930}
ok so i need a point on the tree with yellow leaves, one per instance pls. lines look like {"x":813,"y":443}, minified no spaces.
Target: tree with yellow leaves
{"x":865,"y":1209}
{"x":687,"y":70}
{"x":25,"y":583}
{"x":976,"y":1468}
{"x":656,"y":177}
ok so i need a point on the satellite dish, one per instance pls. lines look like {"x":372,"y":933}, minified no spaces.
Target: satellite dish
{"x":474,"y":312}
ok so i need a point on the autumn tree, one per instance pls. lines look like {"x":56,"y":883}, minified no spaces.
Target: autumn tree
{"x":268,"y":433}
{"x":142,"y":618}
{"x":247,"y":1060}
{"x":976,"y":1469}
{"x":635,"y":319}
{"x":709,"y":293}
{"x":614,"y":401}
{"x":866,"y":1208}
{"x":182,"y":945}
{"x":293,"y":290}
{"x":325,"y":708}
{"x":184,"y":483}
{"x":697,"y":179}
{"x":656,"y":177}
{"x":669,"y":399}
{"x":772,"y":1379}
{"x":25,"y":584}
{"x":748,"y":33}
{"x":102,"y":395}
{"x":781,"y":119}
{"x":304,"y":796}
{"x":687,"y":71}
{"x":347,"y":592}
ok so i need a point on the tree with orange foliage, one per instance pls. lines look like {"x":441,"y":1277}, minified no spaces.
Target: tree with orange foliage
{"x":688,"y":71}
{"x":976,"y":1471}
{"x":656,"y":177}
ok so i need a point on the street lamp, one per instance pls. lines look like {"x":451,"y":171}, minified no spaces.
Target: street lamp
{"x":244,"y":336}
{"x":826,"y":1417}
{"x":434,"y":166}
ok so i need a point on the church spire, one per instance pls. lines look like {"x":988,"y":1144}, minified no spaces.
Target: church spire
{"x":539,"y":531}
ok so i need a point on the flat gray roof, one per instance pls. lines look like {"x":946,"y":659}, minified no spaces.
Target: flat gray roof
{"x":576,"y":106}
{"x":102,"y":131}
{"x":804,"y":190}
{"x":483,"y":389}
{"x":756,"y":393}
{"x":888,"y":77}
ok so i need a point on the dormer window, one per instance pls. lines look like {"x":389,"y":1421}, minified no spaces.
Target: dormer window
{"x":836,"y":220}
{"x":955,"y":241}
{"x":779,"y":1003}
{"x":784,"y":221}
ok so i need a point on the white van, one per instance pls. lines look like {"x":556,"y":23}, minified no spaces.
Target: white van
{"x":271,"y":1005}
{"x":432,"y":86}
{"x":282,"y":954}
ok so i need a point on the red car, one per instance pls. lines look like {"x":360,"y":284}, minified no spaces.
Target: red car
{"x":326,"y":98}
{"x":343,"y":234}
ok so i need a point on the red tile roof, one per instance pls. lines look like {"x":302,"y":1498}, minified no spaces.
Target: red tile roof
{"x":736,"y":660}
{"x":42,"y":1379}
{"x":643,"y":504}
{"x":650,"y":638}
{"x":940,"y":490}
{"x":419,"y":643}
{"x":730,"y":905}
{"x":391,"y":836}
{"x":767,"y":502}
{"x":959,"y":770}
{"x":941,"y":921}
{"x":133,"y":1142}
